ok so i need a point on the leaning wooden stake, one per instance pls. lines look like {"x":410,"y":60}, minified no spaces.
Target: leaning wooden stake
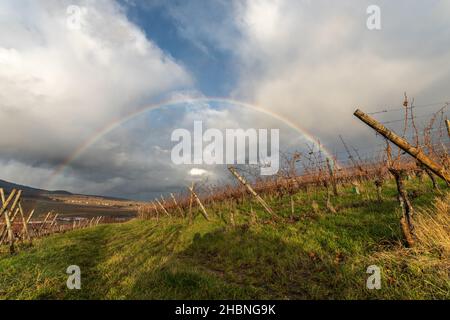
{"x":406,"y":222}
{"x":163,"y":202}
{"x":162,"y":207}
{"x":9,"y":221}
{"x":200,"y":204}
{"x":44,"y":222}
{"x":29,"y":217}
{"x":24,"y":222}
{"x":54,"y":220}
{"x":4,"y":234}
{"x":10,"y":233}
{"x":253,"y":192}
{"x":404,"y":145}
{"x":176,"y":205}
{"x":156,"y":210}
{"x":7,"y":201}
{"x":3,"y":209}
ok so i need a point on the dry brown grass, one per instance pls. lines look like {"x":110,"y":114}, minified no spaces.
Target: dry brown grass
{"x":432,"y":228}
{"x":428,"y":262}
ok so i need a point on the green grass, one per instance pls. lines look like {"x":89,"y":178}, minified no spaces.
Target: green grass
{"x":315,"y":255}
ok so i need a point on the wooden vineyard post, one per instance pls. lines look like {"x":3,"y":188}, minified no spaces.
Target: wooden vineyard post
{"x":250,"y":189}
{"x":3,"y":209}
{"x":163,"y":203}
{"x":53,"y":221}
{"x":5,"y":232}
{"x":407,"y":209}
{"x":157,"y":211}
{"x":7,"y":201}
{"x":28,"y":221}
{"x":176,"y":205}
{"x":332,"y":178}
{"x":9,"y":220}
{"x":30,"y":216}
{"x":24,"y":222}
{"x":43,"y":223}
{"x":10,"y":234}
{"x":202,"y":208}
{"x":162,"y":207}
{"x":404,"y":145}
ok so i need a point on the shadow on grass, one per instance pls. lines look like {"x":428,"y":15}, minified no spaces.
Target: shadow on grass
{"x":242,"y":264}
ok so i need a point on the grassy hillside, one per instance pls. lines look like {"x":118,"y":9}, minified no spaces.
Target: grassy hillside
{"x":312,"y":255}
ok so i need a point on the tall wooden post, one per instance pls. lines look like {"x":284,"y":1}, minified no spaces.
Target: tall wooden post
{"x":176,"y":205}
{"x":200,"y":204}
{"x":162,"y":207}
{"x":404,"y":145}
{"x":406,"y":222}
{"x":332,"y":178}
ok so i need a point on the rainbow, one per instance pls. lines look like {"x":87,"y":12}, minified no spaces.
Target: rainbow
{"x":174,"y":101}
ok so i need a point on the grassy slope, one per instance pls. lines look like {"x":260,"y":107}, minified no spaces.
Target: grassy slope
{"x":318,"y":255}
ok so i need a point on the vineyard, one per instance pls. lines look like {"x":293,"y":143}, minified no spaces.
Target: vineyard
{"x":308,"y":233}
{"x":18,"y":226}
{"x":427,"y":156}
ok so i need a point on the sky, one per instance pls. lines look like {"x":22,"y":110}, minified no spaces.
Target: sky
{"x":69,"y":69}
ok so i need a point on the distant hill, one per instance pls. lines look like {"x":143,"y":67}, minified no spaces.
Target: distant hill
{"x":34,"y":192}
{"x":29,"y":191}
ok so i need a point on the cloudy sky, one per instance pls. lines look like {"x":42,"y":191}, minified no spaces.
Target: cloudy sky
{"x":68,"y":69}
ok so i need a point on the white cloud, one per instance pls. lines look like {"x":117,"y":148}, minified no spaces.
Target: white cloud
{"x":316,"y":62}
{"x":59,"y":86}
